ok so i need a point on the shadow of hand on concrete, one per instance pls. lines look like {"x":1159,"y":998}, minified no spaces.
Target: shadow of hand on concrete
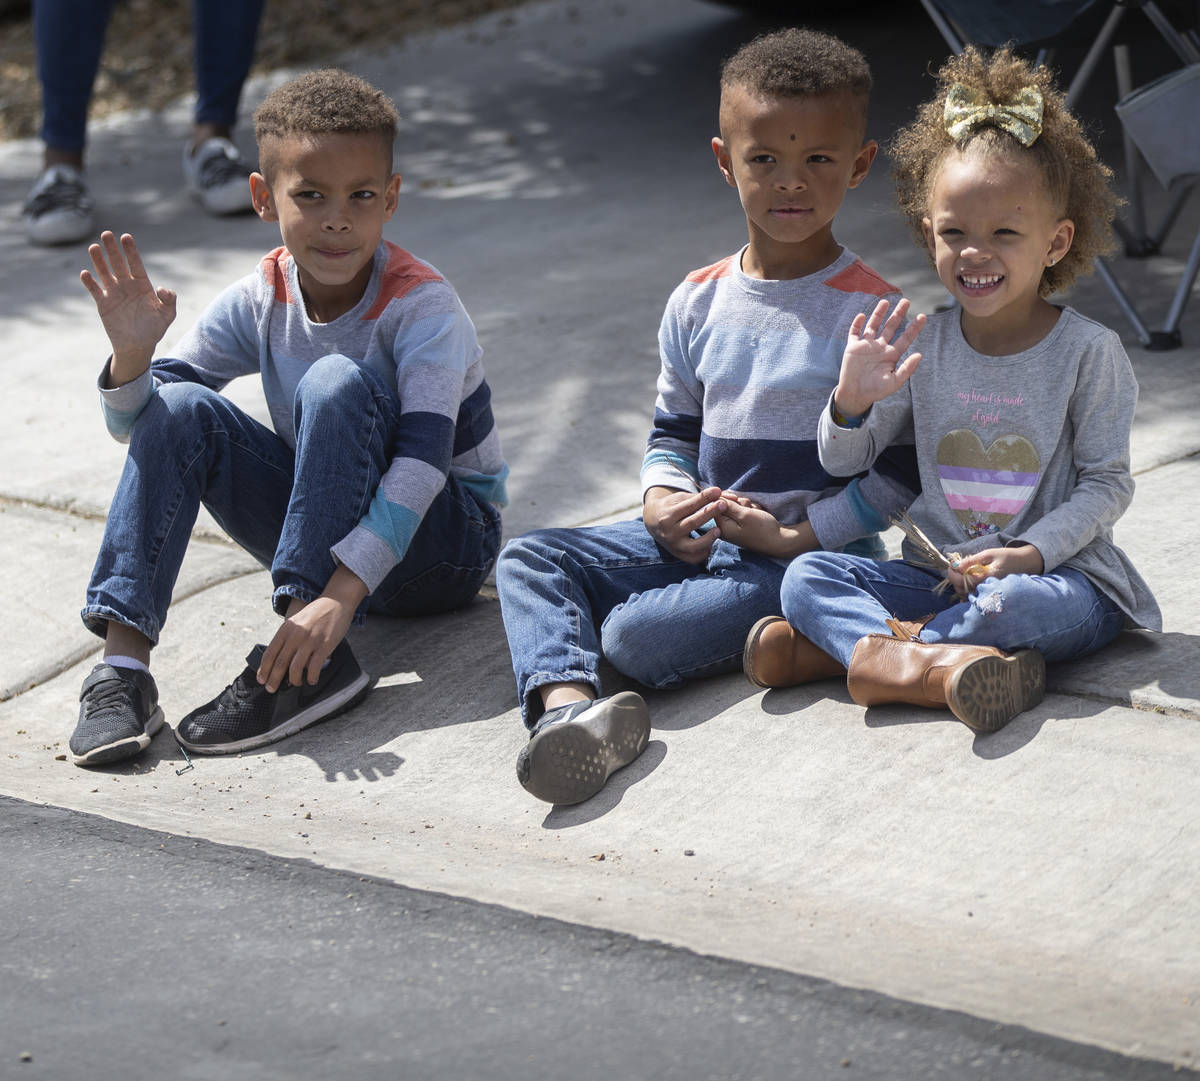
{"x":345,"y":755}
{"x":610,"y":795}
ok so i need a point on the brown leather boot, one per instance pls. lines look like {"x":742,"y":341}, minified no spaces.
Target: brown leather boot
{"x":983,"y":687}
{"x":777,"y":656}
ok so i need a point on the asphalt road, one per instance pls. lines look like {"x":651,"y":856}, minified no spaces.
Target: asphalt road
{"x":129,"y":953}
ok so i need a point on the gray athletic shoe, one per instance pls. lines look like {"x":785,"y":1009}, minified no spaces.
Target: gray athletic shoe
{"x":118,"y":714}
{"x":58,"y":209}
{"x":218,"y":177}
{"x":575,"y":748}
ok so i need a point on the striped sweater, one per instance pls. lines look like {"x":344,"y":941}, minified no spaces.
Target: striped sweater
{"x":409,"y":328}
{"x":747,"y":367}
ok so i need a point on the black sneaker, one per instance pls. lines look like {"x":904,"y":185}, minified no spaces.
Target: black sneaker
{"x":58,"y":209}
{"x":118,"y":713}
{"x":576,"y":748}
{"x":246,"y":715}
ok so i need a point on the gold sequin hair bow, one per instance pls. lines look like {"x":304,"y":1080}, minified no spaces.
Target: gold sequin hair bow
{"x":968,"y":109}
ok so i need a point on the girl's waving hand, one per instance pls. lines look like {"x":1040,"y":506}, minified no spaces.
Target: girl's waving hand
{"x":871,"y":365}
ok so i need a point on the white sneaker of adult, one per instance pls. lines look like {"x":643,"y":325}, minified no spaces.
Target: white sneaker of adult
{"x":217,"y":176}
{"x":58,"y":209}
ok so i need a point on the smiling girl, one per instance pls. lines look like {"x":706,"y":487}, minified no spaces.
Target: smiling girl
{"x":1021,"y":411}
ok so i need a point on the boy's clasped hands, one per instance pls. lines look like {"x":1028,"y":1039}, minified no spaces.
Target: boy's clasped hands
{"x":688,"y":524}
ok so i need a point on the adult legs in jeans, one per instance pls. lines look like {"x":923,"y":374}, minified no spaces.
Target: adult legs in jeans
{"x":835,"y":600}
{"x":225,"y":32}
{"x":70,"y":37}
{"x":571,"y":596}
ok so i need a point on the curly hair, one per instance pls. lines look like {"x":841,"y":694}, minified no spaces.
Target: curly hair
{"x":800,"y":63}
{"x":325,"y":102}
{"x":1078,"y":182}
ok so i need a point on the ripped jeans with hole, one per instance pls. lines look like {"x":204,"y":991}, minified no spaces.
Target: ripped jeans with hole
{"x":835,"y":599}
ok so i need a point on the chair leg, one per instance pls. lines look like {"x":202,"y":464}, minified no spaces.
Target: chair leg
{"x":1123,"y":302}
{"x":1190,"y":270}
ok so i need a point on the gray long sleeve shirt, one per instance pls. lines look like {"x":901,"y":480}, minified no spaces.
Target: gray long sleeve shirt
{"x":1031,"y":448}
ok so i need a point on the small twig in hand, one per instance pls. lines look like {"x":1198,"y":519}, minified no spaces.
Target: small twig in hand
{"x":931,"y":556}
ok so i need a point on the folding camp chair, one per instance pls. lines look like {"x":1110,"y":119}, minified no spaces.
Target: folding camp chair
{"x":1159,"y":121}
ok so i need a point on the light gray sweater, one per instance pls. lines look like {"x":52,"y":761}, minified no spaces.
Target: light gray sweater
{"x":1031,"y":448}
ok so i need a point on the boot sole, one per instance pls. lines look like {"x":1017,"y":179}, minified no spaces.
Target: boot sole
{"x":988,"y":693}
{"x":570,"y":762}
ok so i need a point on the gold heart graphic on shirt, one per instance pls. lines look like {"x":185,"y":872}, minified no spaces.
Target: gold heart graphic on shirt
{"x":986,"y":489}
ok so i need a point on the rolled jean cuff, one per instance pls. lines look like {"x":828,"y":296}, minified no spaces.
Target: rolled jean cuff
{"x":283,"y":594}
{"x":531,"y":704}
{"x":97,"y":617}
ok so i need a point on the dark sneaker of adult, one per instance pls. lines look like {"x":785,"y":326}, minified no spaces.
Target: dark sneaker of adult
{"x":118,"y":715}
{"x":58,"y":209}
{"x":575,"y":748}
{"x":217,"y":176}
{"x":245,"y":715}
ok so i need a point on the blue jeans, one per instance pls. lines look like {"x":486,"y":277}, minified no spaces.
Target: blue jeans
{"x":192,"y":446}
{"x":70,"y":37}
{"x":571,"y":596}
{"x":834,"y":600}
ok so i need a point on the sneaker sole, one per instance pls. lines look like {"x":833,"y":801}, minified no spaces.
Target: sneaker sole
{"x":122,"y":748}
{"x":224,"y":202}
{"x":58,"y":228}
{"x":990,"y":692}
{"x":569,"y":763}
{"x":347,"y":698}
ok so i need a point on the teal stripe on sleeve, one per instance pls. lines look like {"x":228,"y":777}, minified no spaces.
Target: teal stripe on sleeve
{"x":870,"y":518}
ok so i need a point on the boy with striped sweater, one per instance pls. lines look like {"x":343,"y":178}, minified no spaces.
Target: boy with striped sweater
{"x":732,"y":485}
{"x":377,"y":486}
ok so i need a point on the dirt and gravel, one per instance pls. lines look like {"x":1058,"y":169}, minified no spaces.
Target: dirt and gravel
{"x":147,"y":59}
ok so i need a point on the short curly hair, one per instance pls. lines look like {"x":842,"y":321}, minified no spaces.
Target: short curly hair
{"x":324,"y":102}
{"x":800,"y":63}
{"x":1079,"y":183}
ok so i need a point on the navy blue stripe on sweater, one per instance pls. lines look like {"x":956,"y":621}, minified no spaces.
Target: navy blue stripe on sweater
{"x":763,"y":465}
{"x":475,"y":420}
{"x":684,"y":427}
{"x":427,"y":437}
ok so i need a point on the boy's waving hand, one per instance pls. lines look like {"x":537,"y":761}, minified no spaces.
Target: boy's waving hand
{"x":135,"y":314}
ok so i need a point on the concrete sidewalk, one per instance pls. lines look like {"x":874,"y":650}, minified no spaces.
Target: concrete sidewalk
{"x":557,"y":170}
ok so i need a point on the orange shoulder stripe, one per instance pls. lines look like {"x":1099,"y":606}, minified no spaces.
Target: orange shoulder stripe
{"x":860,"y":278}
{"x":711,"y":273}
{"x":402,"y":274}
